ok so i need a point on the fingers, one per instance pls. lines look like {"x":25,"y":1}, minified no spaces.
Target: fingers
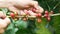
{"x":4,"y":21}
{"x":13,"y":9}
{"x":21,"y":12}
{"x":31,"y":13}
{"x":35,"y":5}
{"x":2,"y":15}
{"x":7,"y":20}
{"x":3,"y":24}
{"x":39,"y":9}
{"x":27,"y":12}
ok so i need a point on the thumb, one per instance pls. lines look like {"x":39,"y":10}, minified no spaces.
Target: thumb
{"x":7,"y":20}
{"x":4,"y":22}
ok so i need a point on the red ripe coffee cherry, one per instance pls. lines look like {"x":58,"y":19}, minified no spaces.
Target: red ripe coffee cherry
{"x":46,"y":12}
{"x":38,"y":15}
{"x":33,"y":9}
{"x":48,"y":18}
{"x":12,"y":15}
{"x":46,"y":15}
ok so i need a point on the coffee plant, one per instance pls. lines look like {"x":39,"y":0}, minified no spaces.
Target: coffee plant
{"x":32,"y":22}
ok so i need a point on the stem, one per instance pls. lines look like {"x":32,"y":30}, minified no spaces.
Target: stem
{"x":35,"y":16}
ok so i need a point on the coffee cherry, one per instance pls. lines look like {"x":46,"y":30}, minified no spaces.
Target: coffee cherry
{"x":34,"y":9}
{"x":48,"y":18}
{"x":51,"y":12}
{"x":39,"y":20}
{"x":15,"y":13}
{"x":12,"y":15}
{"x":24,"y":18}
{"x":46,"y":15}
{"x":31,"y":13}
{"x":46,"y":12}
{"x":38,"y":15}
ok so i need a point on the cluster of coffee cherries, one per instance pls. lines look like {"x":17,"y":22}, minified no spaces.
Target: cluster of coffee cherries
{"x":25,"y":12}
{"x":47,"y":15}
{"x":31,"y":12}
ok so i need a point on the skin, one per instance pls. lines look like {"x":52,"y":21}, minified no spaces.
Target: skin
{"x":3,"y":22}
{"x":15,"y":6}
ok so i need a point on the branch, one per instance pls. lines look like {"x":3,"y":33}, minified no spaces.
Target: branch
{"x":35,"y":16}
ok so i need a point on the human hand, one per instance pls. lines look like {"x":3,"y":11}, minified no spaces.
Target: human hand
{"x":17,"y":5}
{"x":4,"y":21}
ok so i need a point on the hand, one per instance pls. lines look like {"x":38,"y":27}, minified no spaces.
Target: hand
{"x":16,"y":5}
{"x":4,"y":21}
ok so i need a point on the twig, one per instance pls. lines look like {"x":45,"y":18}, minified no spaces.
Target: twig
{"x":35,"y":16}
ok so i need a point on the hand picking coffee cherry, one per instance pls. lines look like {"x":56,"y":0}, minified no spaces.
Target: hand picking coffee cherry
{"x":12,"y":15}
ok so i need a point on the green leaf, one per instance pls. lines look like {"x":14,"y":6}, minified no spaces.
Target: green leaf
{"x":10,"y":26}
{"x":5,"y":10}
{"x":21,"y":24}
{"x":29,"y":30}
{"x":56,"y":24}
{"x":12,"y":31}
